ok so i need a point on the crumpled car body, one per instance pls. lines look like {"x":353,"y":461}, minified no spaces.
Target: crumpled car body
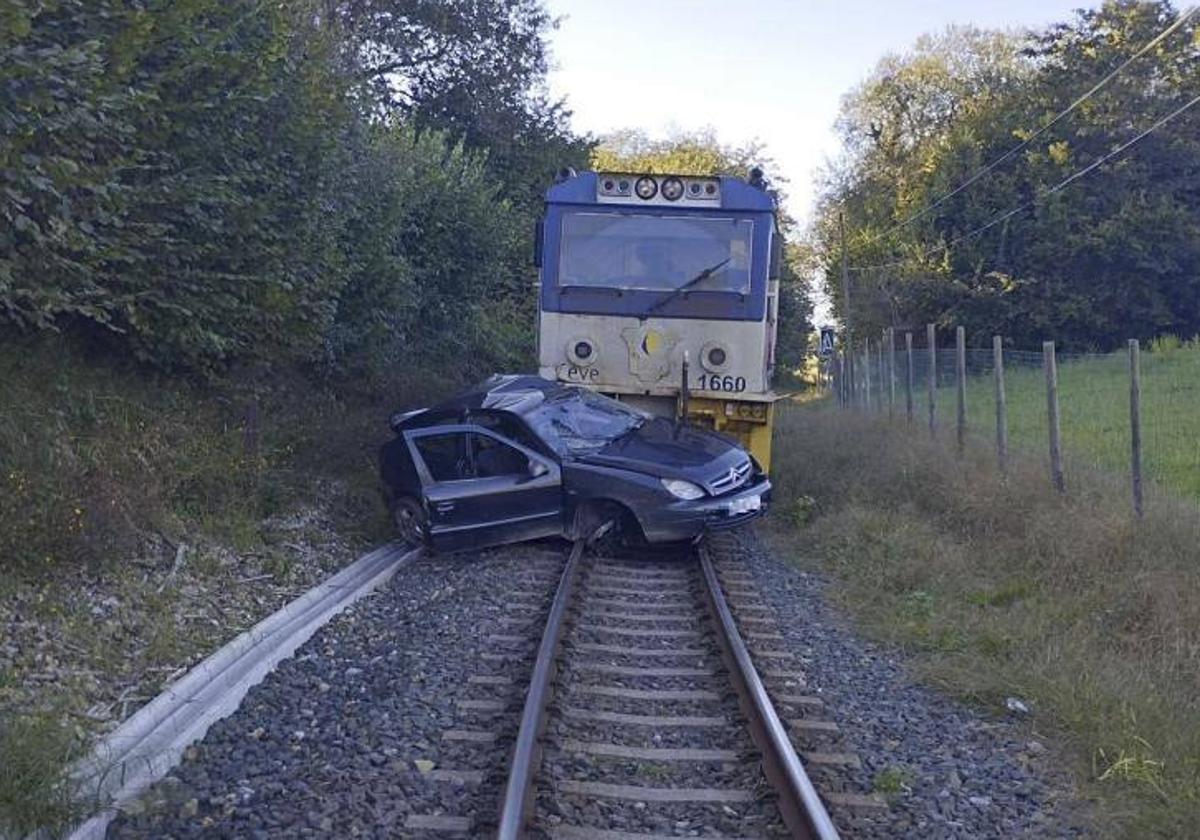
{"x":521,"y":457}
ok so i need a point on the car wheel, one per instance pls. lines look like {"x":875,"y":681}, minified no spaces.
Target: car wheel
{"x":410,"y":519}
{"x":616,"y":531}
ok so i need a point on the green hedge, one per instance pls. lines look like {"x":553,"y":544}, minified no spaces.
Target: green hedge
{"x":199,"y":183}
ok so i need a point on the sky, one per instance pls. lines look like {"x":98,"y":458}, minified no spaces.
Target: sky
{"x":772,"y":70}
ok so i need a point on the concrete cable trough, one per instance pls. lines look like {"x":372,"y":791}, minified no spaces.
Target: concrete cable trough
{"x":145,"y":747}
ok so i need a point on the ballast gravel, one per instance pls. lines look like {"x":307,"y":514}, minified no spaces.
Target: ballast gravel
{"x":576,"y":766}
{"x":960,"y":773}
{"x":346,"y":739}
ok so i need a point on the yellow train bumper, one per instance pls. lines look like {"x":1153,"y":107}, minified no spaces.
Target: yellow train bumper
{"x":750,"y":423}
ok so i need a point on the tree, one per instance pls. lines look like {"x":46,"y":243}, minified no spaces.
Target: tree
{"x":1112,"y":255}
{"x":474,"y":69}
{"x":911,"y":132}
{"x":438,"y":263}
{"x":167,"y":176}
{"x":206,"y":183}
{"x":682,"y":153}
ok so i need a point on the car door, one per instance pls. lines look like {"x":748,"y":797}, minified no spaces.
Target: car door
{"x":482,"y":489}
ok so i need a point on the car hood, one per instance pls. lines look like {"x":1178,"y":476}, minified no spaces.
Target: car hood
{"x":662,"y":448}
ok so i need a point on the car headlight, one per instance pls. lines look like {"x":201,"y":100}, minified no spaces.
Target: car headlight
{"x":682,"y":489}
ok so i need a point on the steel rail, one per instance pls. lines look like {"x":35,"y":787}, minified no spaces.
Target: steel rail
{"x":518,"y":792}
{"x":799,"y":804}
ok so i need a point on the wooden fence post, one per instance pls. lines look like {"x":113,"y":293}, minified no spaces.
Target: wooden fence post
{"x":908,"y":379}
{"x":859,"y":381}
{"x":1056,"y":463}
{"x":931,"y":339}
{"x":866,"y":374}
{"x":1001,"y":404}
{"x":879,"y":369}
{"x":891,"y":333}
{"x":851,"y":384}
{"x":250,"y":442}
{"x":1135,"y":424}
{"x":960,"y":350}
{"x":846,"y":395}
{"x":250,"y":433}
{"x":841,"y":379}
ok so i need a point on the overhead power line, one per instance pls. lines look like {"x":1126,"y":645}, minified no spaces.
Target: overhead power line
{"x":1070,"y":179}
{"x":1088,"y":94}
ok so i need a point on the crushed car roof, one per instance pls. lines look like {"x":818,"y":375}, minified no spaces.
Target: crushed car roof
{"x":501,"y":392}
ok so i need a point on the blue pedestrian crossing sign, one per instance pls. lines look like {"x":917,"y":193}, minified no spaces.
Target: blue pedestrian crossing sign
{"x":827,"y":341}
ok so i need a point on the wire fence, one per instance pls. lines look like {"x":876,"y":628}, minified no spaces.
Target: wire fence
{"x":1134,"y":412}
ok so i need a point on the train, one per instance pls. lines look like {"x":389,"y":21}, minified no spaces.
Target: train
{"x":662,"y":291}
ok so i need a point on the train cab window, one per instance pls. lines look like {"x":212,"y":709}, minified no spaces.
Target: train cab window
{"x":446,"y":456}
{"x":494,"y":458}
{"x":656,"y":253}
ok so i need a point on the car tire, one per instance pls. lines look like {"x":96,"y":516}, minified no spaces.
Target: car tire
{"x":620,"y":529}
{"x":410,"y":520}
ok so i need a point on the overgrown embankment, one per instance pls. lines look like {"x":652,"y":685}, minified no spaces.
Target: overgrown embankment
{"x":144,"y":521}
{"x":271,"y":210}
{"x":1002,"y":588}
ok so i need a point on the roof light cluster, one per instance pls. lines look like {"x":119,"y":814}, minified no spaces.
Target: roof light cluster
{"x":658,"y":189}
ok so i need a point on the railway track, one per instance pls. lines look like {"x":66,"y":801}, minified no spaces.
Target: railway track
{"x":645,"y":715}
{"x":593,"y":698}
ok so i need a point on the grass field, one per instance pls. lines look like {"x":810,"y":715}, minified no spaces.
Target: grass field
{"x":1094,"y":407}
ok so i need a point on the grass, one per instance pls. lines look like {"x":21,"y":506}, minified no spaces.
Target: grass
{"x":104,"y":468}
{"x":96,"y":455}
{"x":1094,"y":406}
{"x":33,"y":793}
{"x":999,"y":587}
{"x":893,"y":781}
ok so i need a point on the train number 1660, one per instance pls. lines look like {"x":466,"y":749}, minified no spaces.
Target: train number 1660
{"x":712,"y":382}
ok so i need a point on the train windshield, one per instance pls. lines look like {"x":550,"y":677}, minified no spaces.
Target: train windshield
{"x":656,"y":253}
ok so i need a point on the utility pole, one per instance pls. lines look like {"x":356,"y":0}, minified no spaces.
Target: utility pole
{"x":846,"y":301}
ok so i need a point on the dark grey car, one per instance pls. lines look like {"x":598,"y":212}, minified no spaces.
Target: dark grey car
{"x":520,"y":457}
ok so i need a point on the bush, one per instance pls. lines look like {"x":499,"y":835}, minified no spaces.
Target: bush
{"x":98,"y":457}
{"x":437,"y":262}
{"x":168,"y":176}
{"x":197,"y":186}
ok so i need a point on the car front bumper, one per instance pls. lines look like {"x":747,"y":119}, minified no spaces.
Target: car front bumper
{"x":688,"y":519}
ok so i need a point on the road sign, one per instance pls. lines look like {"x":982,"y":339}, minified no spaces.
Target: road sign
{"x":827,"y":341}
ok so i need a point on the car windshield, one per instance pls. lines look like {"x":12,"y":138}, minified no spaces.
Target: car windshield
{"x":579,"y":421}
{"x":656,"y":253}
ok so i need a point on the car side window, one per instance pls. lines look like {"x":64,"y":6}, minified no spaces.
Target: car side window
{"x":505,"y":427}
{"x":494,"y":458}
{"x":446,"y":456}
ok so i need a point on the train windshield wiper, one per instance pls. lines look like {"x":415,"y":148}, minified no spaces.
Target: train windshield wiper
{"x":676,"y":292}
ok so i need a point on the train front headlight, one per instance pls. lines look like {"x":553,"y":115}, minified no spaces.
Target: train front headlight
{"x":672,"y":189}
{"x":582,"y":351}
{"x":715,"y":357}
{"x":646,"y":188}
